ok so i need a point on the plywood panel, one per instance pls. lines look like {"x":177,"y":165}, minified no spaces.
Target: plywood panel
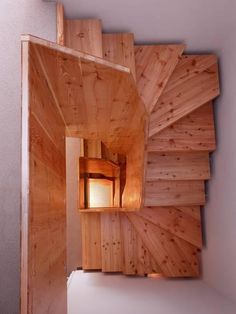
{"x":154,"y":66}
{"x":174,"y":193}
{"x":97,"y":99}
{"x":45,"y":228}
{"x":167,"y":249}
{"x":194,"y":82}
{"x":112,"y":251}
{"x":84,"y":35}
{"x":195,"y":132}
{"x":178,"y":166}
{"x":119,"y":48}
{"x":176,"y":222}
{"x":137,"y":259}
{"x":91,"y":241}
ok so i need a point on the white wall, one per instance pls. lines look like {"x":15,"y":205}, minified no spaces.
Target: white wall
{"x":74,"y":258}
{"x":96,"y":293}
{"x":16,"y":17}
{"x":219,"y":258}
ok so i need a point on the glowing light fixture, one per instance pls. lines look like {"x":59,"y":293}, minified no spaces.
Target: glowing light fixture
{"x":100,"y":193}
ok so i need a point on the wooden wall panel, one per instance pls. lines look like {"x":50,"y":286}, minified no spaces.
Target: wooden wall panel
{"x":119,"y":48}
{"x":111,"y":242}
{"x":194,"y":82}
{"x":91,"y":241}
{"x":103,"y":102}
{"x":46,"y":224}
{"x":178,"y":166}
{"x":135,"y":175}
{"x":195,"y":132}
{"x":154,"y":66}
{"x":174,"y":193}
{"x":86,"y":36}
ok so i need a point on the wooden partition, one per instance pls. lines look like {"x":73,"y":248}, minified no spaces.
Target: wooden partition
{"x":43,"y":283}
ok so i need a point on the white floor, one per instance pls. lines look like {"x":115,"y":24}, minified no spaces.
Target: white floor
{"x":97,"y":293}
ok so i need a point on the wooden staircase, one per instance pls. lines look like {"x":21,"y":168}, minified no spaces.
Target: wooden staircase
{"x":163,"y":235}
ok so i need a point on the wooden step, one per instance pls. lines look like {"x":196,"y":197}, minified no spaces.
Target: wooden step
{"x":177,"y":166}
{"x":137,"y":258}
{"x":193,"y":83}
{"x":176,"y":257}
{"x":176,"y":221}
{"x":195,"y":132}
{"x":174,"y":193}
{"x":154,"y":66}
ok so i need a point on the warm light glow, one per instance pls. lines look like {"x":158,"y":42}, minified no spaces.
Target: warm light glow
{"x":155,"y":276}
{"x":100,"y":193}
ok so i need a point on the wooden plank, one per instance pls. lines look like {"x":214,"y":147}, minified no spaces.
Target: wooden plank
{"x":91,"y":241}
{"x":44,"y":220}
{"x":84,"y":35}
{"x":167,"y":249}
{"x":119,"y":48}
{"x":137,"y":259}
{"x":25,"y":169}
{"x":178,"y":166}
{"x":95,"y":87}
{"x":195,"y":132}
{"x":112,"y":251}
{"x":135,"y":169}
{"x":174,"y":193}
{"x":194,"y":82}
{"x":176,"y":222}
{"x":193,"y":211}
{"x":60,"y":24}
{"x":154,"y":66}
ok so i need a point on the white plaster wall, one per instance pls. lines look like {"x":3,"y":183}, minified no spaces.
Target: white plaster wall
{"x":74,"y":258}
{"x":16,"y":17}
{"x":219,"y":258}
{"x":96,"y":293}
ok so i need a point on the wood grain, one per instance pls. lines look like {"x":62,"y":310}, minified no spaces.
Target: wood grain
{"x":174,"y":193}
{"x":97,"y":99}
{"x":178,"y":166}
{"x":119,"y":48}
{"x":195,"y":132}
{"x":137,"y":259}
{"x":91,"y":241}
{"x":154,"y":66}
{"x":84,"y":35}
{"x":112,"y":250}
{"x":177,"y":222}
{"x":60,"y":25}
{"x":194,"y":82}
{"x":45,"y":226}
{"x":167,"y":249}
